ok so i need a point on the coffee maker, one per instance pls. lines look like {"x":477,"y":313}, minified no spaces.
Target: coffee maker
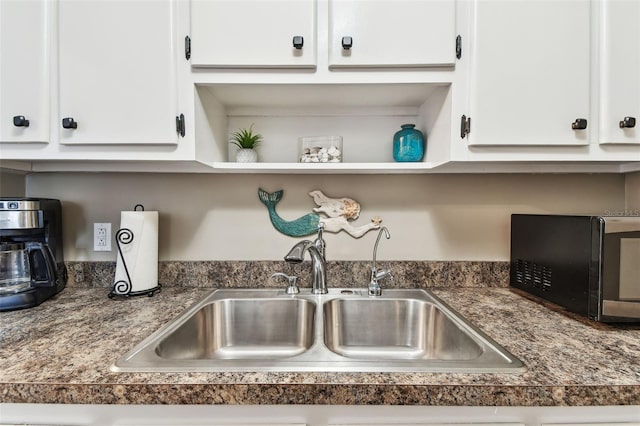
{"x":31,"y":261}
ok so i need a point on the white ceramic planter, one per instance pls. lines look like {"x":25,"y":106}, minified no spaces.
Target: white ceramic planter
{"x":246,"y":156}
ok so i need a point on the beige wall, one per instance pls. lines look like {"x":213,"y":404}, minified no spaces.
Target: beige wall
{"x":219,"y":217}
{"x":632,"y":190}
{"x":12,"y":184}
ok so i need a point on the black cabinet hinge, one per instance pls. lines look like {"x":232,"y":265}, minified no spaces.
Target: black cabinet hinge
{"x":180,"y":126}
{"x":465,"y":126}
{"x":187,"y":47}
{"x":459,"y":47}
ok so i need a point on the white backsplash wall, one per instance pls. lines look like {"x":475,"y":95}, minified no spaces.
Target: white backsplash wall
{"x":12,"y":184}
{"x":219,"y":216}
{"x":632,"y":189}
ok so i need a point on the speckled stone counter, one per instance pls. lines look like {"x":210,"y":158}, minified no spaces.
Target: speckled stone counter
{"x":62,"y":351}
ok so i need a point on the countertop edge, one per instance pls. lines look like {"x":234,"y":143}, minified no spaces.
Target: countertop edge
{"x":320,"y":394}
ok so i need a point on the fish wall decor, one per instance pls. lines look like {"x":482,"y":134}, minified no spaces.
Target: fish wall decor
{"x":334,"y":213}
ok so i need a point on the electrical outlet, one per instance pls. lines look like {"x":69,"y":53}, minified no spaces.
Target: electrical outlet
{"x":101,"y":237}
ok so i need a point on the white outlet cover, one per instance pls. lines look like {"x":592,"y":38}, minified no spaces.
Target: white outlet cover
{"x":102,"y":237}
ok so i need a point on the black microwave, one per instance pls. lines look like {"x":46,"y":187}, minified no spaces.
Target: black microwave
{"x":589,"y":265}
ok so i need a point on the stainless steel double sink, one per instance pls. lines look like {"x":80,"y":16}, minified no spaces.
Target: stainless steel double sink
{"x":344,"y":330}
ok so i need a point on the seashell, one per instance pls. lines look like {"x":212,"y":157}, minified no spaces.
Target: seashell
{"x":334,"y":160}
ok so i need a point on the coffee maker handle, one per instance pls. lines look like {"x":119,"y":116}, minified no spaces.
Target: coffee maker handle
{"x":52,"y":275}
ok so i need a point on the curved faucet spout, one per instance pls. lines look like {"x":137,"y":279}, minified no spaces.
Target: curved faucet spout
{"x":375,"y":247}
{"x":296,"y":254}
{"x":318,"y":263}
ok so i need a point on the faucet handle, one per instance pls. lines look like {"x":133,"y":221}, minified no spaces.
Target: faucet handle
{"x":381,"y":274}
{"x":376,"y":276}
{"x":319,"y":241}
{"x":292,"y":288}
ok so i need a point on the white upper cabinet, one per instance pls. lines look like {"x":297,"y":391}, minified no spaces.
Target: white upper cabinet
{"x":619,"y":71}
{"x":253,"y":33}
{"x":24,"y":71}
{"x":384,"y":33}
{"x":530,"y":78}
{"x":117,"y":72}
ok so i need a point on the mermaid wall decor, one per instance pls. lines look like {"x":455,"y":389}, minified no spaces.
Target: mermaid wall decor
{"x":334,"y":213}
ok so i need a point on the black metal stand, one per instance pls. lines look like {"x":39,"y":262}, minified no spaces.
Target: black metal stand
{"x":150,"y":292}
{"x":122,"y":288}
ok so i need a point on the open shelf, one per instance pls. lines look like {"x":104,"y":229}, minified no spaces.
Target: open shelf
{"x":319,"y":168}
{"x":365,"y":115}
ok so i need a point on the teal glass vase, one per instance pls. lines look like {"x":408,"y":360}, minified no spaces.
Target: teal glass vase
{"x":408,"y":144}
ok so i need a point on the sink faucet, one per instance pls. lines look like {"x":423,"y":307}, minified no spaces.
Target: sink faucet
{"x":378,"y":274}
{"x":316,"y":250}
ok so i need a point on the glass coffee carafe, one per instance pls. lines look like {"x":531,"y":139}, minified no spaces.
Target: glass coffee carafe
{"x":15,"y":269}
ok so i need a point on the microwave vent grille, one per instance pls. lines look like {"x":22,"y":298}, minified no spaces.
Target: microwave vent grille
{"x":533,"y":274}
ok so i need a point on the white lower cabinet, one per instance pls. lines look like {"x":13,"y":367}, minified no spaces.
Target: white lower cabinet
{"x":592,"y":424}
{"x":312,"y":415}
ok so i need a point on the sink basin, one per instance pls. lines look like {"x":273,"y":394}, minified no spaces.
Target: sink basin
{"x":395,"y":329}
{"x":344,"y":330}
{"x":246,"y":328}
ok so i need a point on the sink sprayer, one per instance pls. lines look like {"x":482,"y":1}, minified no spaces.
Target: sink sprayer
{"x":378,"y":274}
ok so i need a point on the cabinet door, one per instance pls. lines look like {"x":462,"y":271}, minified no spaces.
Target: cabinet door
{"x":392,"y":33}
{"x":619,"y":71}
{"x":530,"y":72}
{"x":253,"y":33}
{"x":117,"y":71}
{"x":24,"y":71}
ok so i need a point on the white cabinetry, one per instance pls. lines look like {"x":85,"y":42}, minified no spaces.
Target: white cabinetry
{"x":315,"y":415}
{"x":286,"y":33}
{"x":412,"y":45}
{"x":253,"y":33}
{"x":24,"y":71}
{"x":392,"y":33}
{"x":529,"y":72}
{"x":117,"y":72}
{"x":619,"y":71}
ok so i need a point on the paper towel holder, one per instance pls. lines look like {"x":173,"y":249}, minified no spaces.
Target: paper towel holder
{"x":122,"y":288}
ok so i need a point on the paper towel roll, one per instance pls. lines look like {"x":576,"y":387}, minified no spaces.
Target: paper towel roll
{"x":141,"y":254}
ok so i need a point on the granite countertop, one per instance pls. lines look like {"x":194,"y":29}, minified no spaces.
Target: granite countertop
{"x":62,"y":351}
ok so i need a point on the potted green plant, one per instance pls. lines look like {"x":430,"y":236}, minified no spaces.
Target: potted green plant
{"x":246,"y":141}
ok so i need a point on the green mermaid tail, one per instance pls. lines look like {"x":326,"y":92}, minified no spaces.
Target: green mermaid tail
{"x":301,"y":227}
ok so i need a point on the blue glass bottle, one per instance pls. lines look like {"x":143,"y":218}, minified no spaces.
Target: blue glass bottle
{"x":408,"y":144}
